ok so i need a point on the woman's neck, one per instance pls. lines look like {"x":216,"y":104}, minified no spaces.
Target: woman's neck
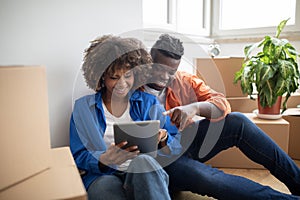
{"x":116,"y":106}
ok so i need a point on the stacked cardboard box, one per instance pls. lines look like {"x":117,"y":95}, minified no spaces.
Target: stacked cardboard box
{"x":278,"y":130}
{"x":219,"y":74}
{"x":27,"y":161}
{"x":59,"y":181}
{"x":292,"y":115}
{"x":247,"y":105}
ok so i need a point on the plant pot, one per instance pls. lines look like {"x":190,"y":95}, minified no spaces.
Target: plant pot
{"x":270,"y":110}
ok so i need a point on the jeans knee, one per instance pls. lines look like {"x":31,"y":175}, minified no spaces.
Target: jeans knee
{"x":143,"y":163}
{"x":236,"y":117}
{"x":143,"y":158}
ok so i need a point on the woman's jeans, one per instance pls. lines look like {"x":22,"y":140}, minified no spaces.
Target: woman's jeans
{"x":189,"y":173}
{"x":145,"y":179}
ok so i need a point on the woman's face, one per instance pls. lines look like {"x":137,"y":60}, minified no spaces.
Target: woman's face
{"x":119,"y":83}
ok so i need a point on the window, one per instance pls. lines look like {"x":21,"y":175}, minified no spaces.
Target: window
{"x":155,"y":12}
{"x":191,"y":17}
{"x":254,"y":13}
{"x":233,"y":18}
{"x":221,"y":18}
{"x":183,"y":16}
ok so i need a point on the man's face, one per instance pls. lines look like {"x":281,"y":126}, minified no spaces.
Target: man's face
{"x":164,"y":69}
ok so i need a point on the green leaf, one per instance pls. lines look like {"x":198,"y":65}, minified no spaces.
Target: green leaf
{"x":280,"y":27}
{"x":290,"y":51}
{"x":249,"y":48}
{"x":280,"y":87}
{"x":274,"y":69}
{"x":266,"y":73}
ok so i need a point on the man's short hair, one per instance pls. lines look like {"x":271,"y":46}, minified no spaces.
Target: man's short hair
{"x":168,"y":46}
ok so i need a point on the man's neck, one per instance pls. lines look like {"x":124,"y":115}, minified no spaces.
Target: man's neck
{"x":160,"y":94}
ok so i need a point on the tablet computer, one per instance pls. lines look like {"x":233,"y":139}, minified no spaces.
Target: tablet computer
{"x":144,"y":134}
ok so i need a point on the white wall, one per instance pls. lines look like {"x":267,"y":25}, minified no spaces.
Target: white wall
{"x":55,"y":33}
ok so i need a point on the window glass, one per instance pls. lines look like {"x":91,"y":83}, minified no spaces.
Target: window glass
{"x":190,"y":16}
{"x":236,"y":14}
{"x":155,"y":12}
{"x":221,"y":18}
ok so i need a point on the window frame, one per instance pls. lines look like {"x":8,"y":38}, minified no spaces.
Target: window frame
{"x":171,"y":25}
{"x":211,"y":16}
{"x":216,"y":32}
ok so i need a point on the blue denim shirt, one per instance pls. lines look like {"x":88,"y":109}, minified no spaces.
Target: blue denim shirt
{"x":88,"y":124}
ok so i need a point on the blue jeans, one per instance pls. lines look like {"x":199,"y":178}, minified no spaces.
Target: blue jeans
{"x":145,"y":179}
{"x":190,"y":174}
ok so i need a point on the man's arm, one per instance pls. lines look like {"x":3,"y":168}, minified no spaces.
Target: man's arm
{"x":181,"y":115}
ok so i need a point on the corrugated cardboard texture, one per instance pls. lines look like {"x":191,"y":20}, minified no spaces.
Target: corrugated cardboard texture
{"x":60,"y":181}
{"x":294,"y":140}
{"x":218,"y":73}
{"x":247,"y":105}
{"x":25,"y":137}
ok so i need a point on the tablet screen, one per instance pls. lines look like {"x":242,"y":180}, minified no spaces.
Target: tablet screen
{"x":144,"y":134}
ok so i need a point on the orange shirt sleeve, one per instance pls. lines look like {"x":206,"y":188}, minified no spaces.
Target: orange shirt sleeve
{"x":187,"y":88}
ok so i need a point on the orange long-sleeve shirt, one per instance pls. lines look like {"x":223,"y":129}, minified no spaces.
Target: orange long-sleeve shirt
{"x":187,"y":88}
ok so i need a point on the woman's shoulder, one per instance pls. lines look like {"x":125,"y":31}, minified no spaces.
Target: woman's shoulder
{"x":84,"y":98}
{"x":141,"y":95}
{"x":87,"y":99}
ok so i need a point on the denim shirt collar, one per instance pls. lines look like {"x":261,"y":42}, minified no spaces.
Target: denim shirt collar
{"x":134,"y":96}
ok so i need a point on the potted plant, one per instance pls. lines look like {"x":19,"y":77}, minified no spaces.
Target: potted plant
{"x":273,"y":70}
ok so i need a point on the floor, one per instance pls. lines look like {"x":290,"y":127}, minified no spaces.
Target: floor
{"x":258,"y":175}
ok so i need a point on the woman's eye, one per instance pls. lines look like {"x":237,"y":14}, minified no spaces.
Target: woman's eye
{"x":114,"y":78}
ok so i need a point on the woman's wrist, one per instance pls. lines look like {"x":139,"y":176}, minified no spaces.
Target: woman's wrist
{"x":163,"y":134}
{"x":164,"y":138}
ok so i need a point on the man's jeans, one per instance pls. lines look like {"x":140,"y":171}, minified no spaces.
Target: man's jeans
{"x":144,"y":180}
{"x":189,"y":173}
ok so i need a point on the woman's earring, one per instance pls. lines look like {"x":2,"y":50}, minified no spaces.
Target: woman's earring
{"x":102,"y":82}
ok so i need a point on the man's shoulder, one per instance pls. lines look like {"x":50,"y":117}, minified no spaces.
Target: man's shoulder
{"x":182,"y":77}
{"x":183,"y":74}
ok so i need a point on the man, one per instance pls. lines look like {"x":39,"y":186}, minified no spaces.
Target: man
{"x":184,"y":96}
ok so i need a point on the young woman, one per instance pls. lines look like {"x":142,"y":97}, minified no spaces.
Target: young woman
{"x":114,"y":67}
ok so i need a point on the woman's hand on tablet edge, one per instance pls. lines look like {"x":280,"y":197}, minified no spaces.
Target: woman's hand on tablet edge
{"x":116,"y":155}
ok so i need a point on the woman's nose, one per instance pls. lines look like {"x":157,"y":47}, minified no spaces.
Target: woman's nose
{"x":121,"y":81}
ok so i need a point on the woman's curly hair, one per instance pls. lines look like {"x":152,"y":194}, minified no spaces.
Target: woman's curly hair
{"x":110,"y":53}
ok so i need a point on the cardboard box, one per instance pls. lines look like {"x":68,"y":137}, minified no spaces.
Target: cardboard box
{"x":60,"y":181}
{"x":247,"y":105}
{"x":278,"y":130}
{"x":218,"y":73}
{"x":62,"y":156}
{"x":293,"y":117}
{"x":293,"y":101}
{"x":25,"y":137}
{"x":242,"y":104}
